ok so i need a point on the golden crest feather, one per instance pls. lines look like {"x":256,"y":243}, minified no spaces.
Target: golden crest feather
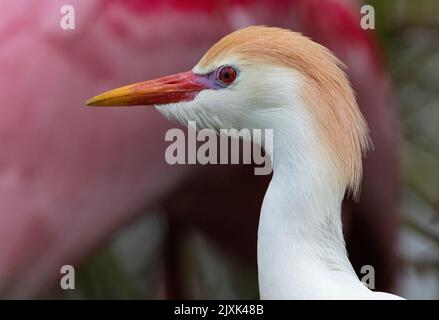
{"x":327,"y":91}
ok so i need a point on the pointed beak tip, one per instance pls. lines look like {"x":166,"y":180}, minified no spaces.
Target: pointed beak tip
{"x":98,"y":101}
{"x":89,"y":103}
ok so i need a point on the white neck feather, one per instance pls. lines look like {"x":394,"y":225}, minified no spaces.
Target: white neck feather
{"x":301,"y":250}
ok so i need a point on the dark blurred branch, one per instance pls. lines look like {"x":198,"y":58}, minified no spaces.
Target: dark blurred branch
{"x":428,"y":147}
{"x":423,"y":265}
{"x":421,"y":175}
{"x":420,"y":229}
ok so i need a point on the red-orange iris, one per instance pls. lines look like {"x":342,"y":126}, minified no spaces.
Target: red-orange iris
{"x":226,"y":74}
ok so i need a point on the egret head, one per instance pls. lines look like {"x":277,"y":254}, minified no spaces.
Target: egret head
{"x":249,"y":79}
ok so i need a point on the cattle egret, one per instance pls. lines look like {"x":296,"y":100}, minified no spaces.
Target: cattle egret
{"x":272,"y":78}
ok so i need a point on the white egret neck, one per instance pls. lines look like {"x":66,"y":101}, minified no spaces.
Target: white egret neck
{"x":301,"y":249}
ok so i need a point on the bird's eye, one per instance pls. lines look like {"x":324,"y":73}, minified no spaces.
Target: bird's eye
{"x":226,"y":74}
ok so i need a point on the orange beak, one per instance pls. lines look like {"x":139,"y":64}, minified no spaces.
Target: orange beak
{"x":170,"y":89}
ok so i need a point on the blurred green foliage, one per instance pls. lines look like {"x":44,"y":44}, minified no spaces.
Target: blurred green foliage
{"x":409,"y":33}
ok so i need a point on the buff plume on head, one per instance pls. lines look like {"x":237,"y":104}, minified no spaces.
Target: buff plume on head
{"x":326,"y":89}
